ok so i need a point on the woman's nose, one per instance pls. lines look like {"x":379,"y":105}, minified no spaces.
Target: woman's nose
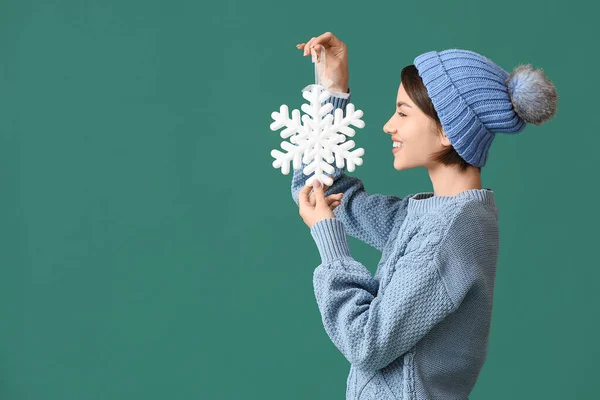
{"x":387,"y":128}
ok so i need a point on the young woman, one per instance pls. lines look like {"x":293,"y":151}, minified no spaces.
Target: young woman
{"x":419,"y":328}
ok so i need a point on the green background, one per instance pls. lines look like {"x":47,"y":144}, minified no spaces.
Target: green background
{"x":149,"y":249}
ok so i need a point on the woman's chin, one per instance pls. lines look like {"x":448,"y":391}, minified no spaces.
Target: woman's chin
{"x":400,"y":166}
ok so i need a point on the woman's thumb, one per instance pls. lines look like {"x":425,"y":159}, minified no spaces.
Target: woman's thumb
{"x":318,"y":190}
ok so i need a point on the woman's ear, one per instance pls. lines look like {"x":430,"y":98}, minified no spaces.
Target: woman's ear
{"x":444,"y":139}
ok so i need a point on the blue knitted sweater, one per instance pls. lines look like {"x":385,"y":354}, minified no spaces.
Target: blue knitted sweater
{"x":419,"y":328}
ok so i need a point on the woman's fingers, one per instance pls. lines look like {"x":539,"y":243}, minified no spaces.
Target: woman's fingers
{"x":332,"y":198}
{"x":304,"y":197}
{"x":329,"y":199}
{"x":326,"y":40}
{"x":307,"y":50}
{"x":316,"y":50}
{"x":307,"y":46}
{"x":301,"y":46}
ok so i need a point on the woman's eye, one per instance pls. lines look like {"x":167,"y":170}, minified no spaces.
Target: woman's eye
{"x":401,"y":114}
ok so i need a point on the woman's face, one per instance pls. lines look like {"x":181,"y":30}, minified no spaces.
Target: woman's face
{"x":417,"y":132}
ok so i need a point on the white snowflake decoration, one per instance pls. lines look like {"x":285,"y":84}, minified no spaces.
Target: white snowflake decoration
{"x":317,"y":138}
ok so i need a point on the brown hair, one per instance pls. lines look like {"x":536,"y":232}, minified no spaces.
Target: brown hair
{"x":416,"y":90}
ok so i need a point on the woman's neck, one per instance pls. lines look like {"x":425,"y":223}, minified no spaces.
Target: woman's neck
{"x":449,"y":180}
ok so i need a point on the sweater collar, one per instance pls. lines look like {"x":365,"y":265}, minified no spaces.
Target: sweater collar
{"x":423,"y":202}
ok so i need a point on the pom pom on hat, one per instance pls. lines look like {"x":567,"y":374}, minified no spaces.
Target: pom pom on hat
{"x":532,"y":94}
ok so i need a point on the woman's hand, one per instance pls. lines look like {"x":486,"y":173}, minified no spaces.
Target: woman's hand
{"x":315,"y":207}
{"x":336,"y":62}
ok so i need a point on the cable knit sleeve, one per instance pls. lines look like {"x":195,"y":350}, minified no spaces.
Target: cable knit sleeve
{"x":367,"y":217}
{"x":373,"y":328}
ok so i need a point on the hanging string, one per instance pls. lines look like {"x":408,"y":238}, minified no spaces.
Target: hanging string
{"x":320,"y":67}
{"x":320,"y":62}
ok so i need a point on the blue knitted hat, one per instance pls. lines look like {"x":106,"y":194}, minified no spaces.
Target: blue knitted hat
{"x":475,"y":98}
